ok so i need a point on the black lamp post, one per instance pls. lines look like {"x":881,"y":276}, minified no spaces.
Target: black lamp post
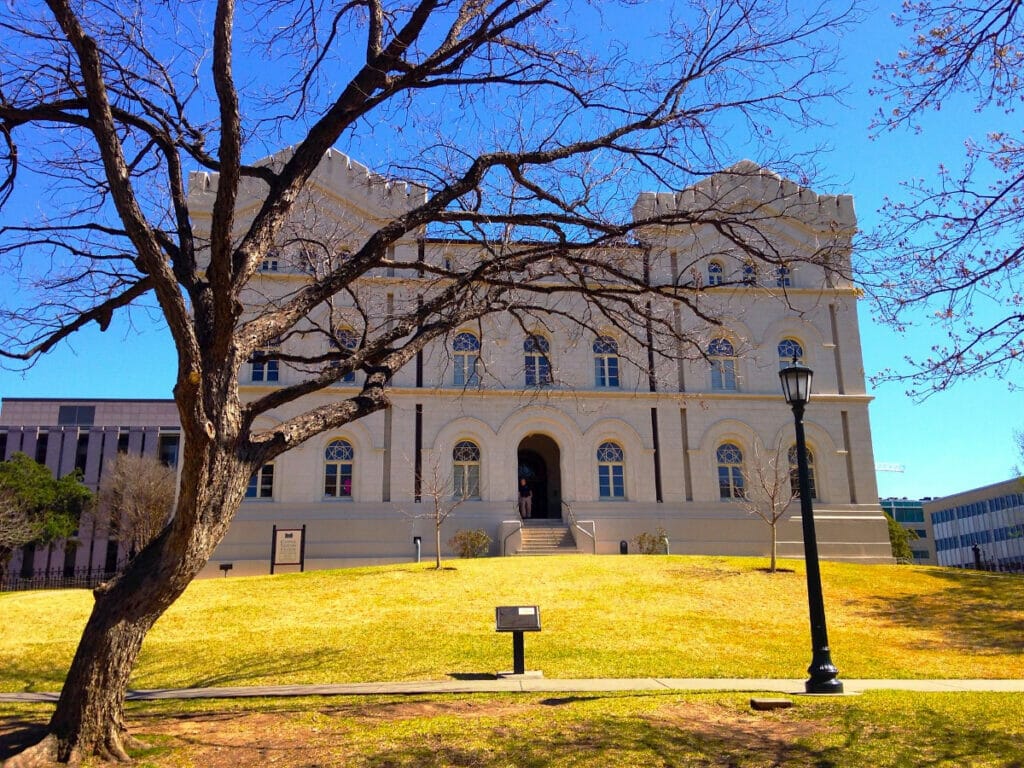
{"x":796,"y":386}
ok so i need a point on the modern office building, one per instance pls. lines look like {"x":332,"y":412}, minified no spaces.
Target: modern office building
{"x":69,"y":435}
{"x":910,"y":514}
{"x":981,"y":528}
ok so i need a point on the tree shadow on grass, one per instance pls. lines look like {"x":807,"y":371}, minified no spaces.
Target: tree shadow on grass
{"x":978,"y":610}
{"x":18,"y":734}
{"x":281,"y":666}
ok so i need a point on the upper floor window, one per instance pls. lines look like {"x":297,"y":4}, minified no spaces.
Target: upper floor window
{"x":536,"y":362}
{"x":347,"y":340}
{"x":749,"y":273}
{"x":611,"y":462}
{"x":723,"y":365}
{"x":466,"y":357}
{"x":339,"y":458}
{"x":730,"y":471}
{"x":261,"y":484}
{"x":715,"y":273}
{"x":264,"y":366}
{"x":783,"y":277}
{"x":466,"y":469}
{"x":272,"y":263}
{"x":606,"y":362}
{"x":790,"y":350}
{"x":794,"y":473}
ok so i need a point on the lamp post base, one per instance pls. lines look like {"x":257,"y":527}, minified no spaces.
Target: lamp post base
{"x":824,"y":682}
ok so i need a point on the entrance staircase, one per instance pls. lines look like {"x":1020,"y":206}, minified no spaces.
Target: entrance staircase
{"x":546,"y":537}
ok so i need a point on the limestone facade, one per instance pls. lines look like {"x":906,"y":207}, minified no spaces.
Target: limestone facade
{"x":607,"y":440}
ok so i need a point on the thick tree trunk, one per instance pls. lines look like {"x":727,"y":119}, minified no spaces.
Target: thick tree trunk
{"x":89,"y":718}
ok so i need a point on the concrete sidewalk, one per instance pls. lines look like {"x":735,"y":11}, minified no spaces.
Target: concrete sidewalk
{"x":534,"y":684}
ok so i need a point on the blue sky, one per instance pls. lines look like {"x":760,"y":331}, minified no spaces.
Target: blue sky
{"x":953,"y":441}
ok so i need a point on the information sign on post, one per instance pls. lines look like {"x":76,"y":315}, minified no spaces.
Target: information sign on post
{"x":517,"y":619}
{"x":288,"y":547}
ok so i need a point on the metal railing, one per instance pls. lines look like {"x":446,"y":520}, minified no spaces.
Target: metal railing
{"x":78,"y":578}
{"x":574,"y":526}
{"x":513,"y":532}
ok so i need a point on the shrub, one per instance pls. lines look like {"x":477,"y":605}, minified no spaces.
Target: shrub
{"x":470,"y":543}
{"x":651,"y":544}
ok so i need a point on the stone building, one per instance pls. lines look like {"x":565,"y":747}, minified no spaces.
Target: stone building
{"x":613,"y":438}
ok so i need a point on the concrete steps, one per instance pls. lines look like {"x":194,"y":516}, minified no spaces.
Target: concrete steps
{"x":546,"y":537}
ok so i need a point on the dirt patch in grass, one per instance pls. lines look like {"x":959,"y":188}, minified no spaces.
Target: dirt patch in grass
{"x":299,"y":736}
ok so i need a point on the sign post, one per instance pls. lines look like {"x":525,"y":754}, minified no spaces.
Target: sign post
{"x":517,"y":619}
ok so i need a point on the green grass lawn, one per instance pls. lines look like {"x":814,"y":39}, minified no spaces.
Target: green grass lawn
{"x":606,"y":616}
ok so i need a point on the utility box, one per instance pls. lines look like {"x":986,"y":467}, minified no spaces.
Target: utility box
{"x":517,"y":618}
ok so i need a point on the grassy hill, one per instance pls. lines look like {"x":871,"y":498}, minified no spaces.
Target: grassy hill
{"x":607,"y":616}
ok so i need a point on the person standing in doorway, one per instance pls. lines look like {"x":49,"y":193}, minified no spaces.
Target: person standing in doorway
{"x":525,"y":499}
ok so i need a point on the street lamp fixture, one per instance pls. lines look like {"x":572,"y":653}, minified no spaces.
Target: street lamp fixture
{"x":796,"y":386}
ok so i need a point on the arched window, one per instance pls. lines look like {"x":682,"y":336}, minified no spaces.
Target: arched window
{"x":536,"y":362}
{"x":723,"y":365}
{"x":338,"y":460}
{"x":606,"y":362}
{"x":730,"y":471}
{"x":715,"y":273}
{"x":749,"y":273}
{"x":466,"y":469}
{"x":794,"y":473}
{"x":347,"y":340}
{"x":611,"y":483}
{"x":783,"y":277}
{"x":466,"y":357}
{"x":265,"y":367}
{"x":790,"y":350}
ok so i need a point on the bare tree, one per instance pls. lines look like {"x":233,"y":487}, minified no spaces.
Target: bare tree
{"x":951,"y":251}
{"x":138,"y":494}
{"x":769,"y":490}
{"x":444,"y":497}
{"x":103,"y":107}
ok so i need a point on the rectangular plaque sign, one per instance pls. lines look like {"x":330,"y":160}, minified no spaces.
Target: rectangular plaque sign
{"x":288,"y":546}
{"x":517,"y":618}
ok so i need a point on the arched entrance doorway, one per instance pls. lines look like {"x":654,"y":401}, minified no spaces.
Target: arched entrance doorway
{"x":540,"y":463}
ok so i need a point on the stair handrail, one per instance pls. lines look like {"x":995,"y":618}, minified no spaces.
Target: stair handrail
{"x":510,"y":534}
{"x":574,"y":525}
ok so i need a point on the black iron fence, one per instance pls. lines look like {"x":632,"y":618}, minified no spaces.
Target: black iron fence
{"x":77,"y":578}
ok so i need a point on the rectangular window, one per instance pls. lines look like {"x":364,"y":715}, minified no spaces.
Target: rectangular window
{"x":81,"y":451}
{"x":467,"y":481}
{"x":42,"y":441}
{"x":261,"y":484}
{"x":723,"y":375}
{"x":338,"y":481}
{"x":606,"y":371}
{"x":611,"y":482}
{"x":265,"y":370}
{"x":465,"y":371}
{"x":909,"y":515}
{"x":538,"y":371}
{"x":167,"y":449}
{"x":76,"y":415}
